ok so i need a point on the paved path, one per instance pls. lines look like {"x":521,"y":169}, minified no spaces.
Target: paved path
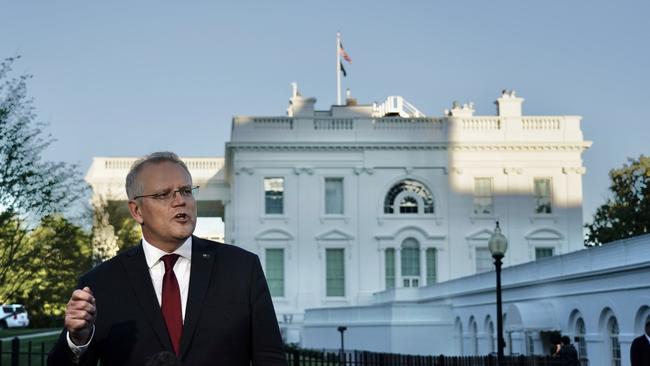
{"x":31,"y":335}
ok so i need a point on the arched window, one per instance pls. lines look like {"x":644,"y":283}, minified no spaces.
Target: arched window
{"x":614,"y":345}
{"x":489,"y":332}
{"x":410,"y":263}
{"x":474,"y":332}
{"x":408,"y":197}
{"x":580,"y":332}
{"x":459,"y":336}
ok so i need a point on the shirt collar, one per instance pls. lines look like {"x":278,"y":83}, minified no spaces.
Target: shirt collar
{"x":647,"y":337}
{"x":153,"y":254}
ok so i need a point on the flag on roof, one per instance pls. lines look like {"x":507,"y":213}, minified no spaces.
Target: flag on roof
{"x":344,"y":54}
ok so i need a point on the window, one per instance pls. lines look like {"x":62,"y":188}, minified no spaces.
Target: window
{"x":543,"y":253}
{"x":483,"y":204}
{"x":483,"y":260}
{"x":411,"y":263}
{"x":334,"y":196}
{"x":275,"y":271}
{"x":542,"y":193}
{"x":580,"y":340}
{"x":490,"y":335}
{"x":414,"y":197}
{"x":615,"y":346}
{"x":274,"y":196}
{"x":335,"y":272}
{"x":431,"y":266}
{"x":408,"y":205}
{"x":390,"y":267}
{"x":474,"y":330}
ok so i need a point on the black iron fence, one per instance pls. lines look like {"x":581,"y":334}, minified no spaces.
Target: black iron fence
{"x":21,"y":353}
{"x":300,"y":357}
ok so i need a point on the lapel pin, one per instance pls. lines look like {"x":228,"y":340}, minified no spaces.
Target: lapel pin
{"x":206,"y":256}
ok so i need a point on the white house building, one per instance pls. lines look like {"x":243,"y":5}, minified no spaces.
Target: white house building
{"x":598,"y":296}
{"x":342,"y":203}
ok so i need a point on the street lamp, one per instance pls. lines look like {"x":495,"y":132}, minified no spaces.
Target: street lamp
{"x":498,"y":245}
{"x":342,"y":356}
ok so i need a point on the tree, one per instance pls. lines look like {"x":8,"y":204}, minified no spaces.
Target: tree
{"x":627,"y":212}
{"x":30,"y":188}
{"x":64,"y":250}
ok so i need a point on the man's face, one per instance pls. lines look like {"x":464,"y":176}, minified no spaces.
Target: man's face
{"x":165,"y":223}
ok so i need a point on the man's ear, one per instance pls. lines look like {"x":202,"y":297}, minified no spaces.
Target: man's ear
{"x":134,"y":210}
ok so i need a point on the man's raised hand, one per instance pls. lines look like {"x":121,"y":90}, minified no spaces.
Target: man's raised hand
{"x":80,"y":315}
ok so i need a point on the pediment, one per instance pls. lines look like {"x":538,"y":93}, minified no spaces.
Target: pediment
{"x":544,"y":234}
{"x":274,"y":234}
{"x":334,"y":235}
{"x":484,"y":234}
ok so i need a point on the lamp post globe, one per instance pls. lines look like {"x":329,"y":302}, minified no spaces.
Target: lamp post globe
{"x":498,"y":244}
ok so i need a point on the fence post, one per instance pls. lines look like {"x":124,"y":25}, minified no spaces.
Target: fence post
{"x":15,"y":352}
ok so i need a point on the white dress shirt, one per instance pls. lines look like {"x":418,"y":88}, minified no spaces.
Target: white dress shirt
{"x":157,"y":272}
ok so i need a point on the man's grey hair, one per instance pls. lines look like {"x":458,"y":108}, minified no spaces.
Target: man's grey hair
{"x":134,"y":187}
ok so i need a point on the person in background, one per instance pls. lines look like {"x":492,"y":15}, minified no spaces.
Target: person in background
{"x":640,"y":349}
{"x":568,"y":355}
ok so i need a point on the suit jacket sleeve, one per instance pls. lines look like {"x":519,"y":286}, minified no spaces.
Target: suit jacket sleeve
{"x":266,"y":341}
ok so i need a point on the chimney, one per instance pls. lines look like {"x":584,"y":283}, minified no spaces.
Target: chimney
{"x":300,"y":106}
{"x":509,"y":104}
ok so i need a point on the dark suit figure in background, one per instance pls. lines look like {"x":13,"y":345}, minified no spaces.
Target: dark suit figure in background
{"x":205,"y":302}
{"x":640,"y":350}
{"x":568,"y":355}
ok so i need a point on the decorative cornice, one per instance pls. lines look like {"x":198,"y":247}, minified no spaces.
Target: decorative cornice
{"x":300,"y":170}
{"x":574,"y":169}
{"x":488,"y":146}
{"x":358,"y":170}
{"x":512,"y":171}
{"x":246,"y":170}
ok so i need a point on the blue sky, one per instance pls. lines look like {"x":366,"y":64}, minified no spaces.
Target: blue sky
{"x":126,"y":78}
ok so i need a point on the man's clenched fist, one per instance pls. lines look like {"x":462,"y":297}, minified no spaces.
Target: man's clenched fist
{"x":80,"y":315}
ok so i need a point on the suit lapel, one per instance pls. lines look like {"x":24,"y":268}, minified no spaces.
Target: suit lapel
{"x":203,"y":257}
{"x":135,"y":265}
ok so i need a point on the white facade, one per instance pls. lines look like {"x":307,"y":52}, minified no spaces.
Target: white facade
{"x":343,"y":203}
{"x":600,"y":295}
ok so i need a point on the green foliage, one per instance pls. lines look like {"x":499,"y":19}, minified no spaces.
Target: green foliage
{"x":63,"y":252}
{"x":627,"y":212}
{"x":32,"y":191}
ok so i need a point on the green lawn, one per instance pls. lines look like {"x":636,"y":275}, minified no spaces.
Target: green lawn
{"x":40,"y":346}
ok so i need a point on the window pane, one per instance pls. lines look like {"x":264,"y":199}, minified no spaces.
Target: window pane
{"x":483,"y":204}
{"x":409,"y":205}
{"x":614,"y":342}
{"x":542,"y":193}
{"x":390,"y":268}
{"x":483,"y":260}
{"x":335,"y":272}
{"x":334,"y":196}
{"x":274,"y":195}
{"x":543,"y":253}
{"x":275,"y":271}
{"x":431,"y":266}
{"x":410,"y":257}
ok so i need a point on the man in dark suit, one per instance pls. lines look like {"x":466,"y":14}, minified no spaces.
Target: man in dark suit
{"x":568,"y":355}
{"x":207,"y":303}
{"x":640,"y":350}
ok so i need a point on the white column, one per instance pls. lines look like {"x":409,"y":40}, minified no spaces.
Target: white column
{"x":398,"y":267}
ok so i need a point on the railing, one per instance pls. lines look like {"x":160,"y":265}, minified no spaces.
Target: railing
{"x":540,"y":123}
{"x":299,"y":357}
{"x":333,"y":124}
{"x":281,"y":123}
{"x":37,"y":355}
{"x":192,"y":163}
{"x":481,"y":124}
{"x":398,"y":123}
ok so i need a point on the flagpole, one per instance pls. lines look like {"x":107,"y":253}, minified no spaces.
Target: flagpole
{"x":338,"y":68}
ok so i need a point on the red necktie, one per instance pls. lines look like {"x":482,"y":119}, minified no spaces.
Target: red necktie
{"x":171,"y":302}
